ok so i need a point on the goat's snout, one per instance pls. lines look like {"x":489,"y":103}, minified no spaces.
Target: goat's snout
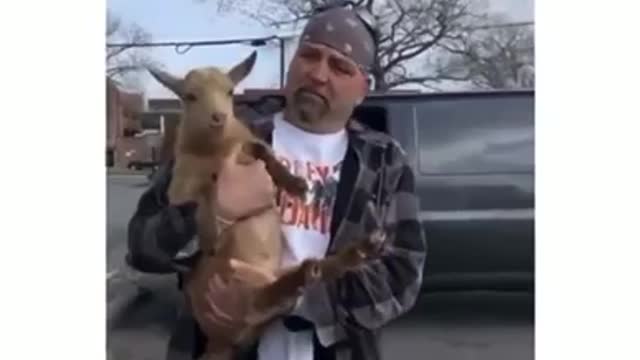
{"x":218,"y":118}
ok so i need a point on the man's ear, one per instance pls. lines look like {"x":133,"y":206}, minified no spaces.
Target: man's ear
{"x":366,"y":85}
{"x":364,"y":90}
{"x":368,"y":82}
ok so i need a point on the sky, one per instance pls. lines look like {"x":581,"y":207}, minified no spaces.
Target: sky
{"x":171,"y":20}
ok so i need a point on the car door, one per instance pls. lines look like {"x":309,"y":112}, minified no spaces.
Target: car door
{"x":475,"y":167}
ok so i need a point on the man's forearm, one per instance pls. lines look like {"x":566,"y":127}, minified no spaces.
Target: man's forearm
{"x":370,"y":297}
{"x":383,"y":289}
{"x":158,"y":232}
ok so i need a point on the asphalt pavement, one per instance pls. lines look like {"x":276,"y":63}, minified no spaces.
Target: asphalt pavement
{"x":449,"y":326}
{"x":123,"y":192}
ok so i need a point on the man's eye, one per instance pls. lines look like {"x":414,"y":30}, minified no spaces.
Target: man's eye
{"x":341,"y":67}
{"x":343,"y":70}
{"x":190,"y":97}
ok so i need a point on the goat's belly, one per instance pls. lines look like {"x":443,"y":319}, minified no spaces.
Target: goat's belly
{"x":257,"y":241}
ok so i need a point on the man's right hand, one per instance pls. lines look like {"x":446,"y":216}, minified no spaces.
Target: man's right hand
{"x":242,"y":190}
{"x":226,"y":304}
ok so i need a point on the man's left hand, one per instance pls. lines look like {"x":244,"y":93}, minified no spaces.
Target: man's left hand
{"x":250,"y":274}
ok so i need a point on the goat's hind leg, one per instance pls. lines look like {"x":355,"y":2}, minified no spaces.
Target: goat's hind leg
{"x":291,"y":283}
{"x":287,"y":287}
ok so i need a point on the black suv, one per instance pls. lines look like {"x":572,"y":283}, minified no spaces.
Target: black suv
{"x":473,"y":155}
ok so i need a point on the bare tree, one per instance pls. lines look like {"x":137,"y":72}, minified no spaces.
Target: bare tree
{"x":125,"y":62}
{"x":408,"y":30}
{"x":494,"y":58}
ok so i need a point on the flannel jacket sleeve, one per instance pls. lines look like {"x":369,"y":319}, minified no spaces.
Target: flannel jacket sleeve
{"x":161,"y":237}
{"x":385,"y":288}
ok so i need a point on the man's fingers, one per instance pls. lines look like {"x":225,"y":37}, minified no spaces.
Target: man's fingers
{"x":216,"y":284}
{"x":246,"y":272}
{"x":216,"y":303}
{"x":239,"y":266}
{"x":215,"y":320}
{"x":239,"y":270}
{"x":216,"y":311}
{"x":236,"y":264}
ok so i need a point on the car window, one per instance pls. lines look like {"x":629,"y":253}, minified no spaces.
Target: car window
{"x":397,"y":116}
{"x":476,"y":134}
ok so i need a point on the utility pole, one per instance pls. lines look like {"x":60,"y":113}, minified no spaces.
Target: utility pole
{"x":282,"y":40}
{"x":282,"y":53}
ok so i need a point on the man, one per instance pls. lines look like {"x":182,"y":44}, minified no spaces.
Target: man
{"x":344,"y":161}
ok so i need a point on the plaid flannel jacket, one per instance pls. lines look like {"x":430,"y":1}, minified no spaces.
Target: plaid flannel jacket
{"x":347,"y":313}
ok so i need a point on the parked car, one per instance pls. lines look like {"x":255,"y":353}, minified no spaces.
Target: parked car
{"x":142,"y":165}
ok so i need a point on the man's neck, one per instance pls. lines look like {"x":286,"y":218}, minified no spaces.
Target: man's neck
{"x":320,"y":126}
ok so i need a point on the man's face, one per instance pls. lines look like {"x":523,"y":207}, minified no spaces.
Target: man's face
{"x":323,"y":83}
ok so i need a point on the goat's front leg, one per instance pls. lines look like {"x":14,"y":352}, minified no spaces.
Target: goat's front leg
{"x":282,"y":177}
{"x":190,"y":177}
{"x":184,"y":188}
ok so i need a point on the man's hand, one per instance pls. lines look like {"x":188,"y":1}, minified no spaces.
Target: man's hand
{"x":249,"y":274}
{"x":226,"y":304}
{"x":243,"y":189}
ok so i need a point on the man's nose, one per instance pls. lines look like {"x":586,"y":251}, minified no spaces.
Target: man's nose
{"x":319,"y":72}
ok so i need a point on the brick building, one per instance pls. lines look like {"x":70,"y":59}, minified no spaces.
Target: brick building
{"x":134,"y":130}
{"x":122,"y":123}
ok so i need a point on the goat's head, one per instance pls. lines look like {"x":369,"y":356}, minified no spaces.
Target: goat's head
{"x":207,"y":96}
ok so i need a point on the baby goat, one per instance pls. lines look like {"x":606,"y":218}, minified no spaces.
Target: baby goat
{"x":209,"y":133}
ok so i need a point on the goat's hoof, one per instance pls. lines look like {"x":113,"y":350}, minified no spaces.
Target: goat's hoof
{"x":313,"y":272}
{"x":297,"y":186}
{"x":375,"y":243}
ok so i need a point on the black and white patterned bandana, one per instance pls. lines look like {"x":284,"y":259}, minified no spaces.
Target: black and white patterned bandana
{"x":341,"y":29}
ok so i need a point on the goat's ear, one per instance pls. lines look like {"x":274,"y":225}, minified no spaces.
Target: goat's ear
{"x":170,"y":81}
{"x":240,"y":71}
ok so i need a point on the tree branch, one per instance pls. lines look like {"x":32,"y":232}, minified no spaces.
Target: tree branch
{"x":121,"y":69}
{"x":422,"y":80}
{"x":407,"y":28}
{"x":418,"y":50}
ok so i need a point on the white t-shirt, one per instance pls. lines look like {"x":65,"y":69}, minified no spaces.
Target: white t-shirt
{"x":306,"y":226}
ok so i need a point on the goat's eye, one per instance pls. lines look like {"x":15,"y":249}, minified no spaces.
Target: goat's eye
{"x":230,"y":93}
{"x":190,"y":97}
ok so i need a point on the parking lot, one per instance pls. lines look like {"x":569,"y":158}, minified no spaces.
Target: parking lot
{"x":456,"y":326}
